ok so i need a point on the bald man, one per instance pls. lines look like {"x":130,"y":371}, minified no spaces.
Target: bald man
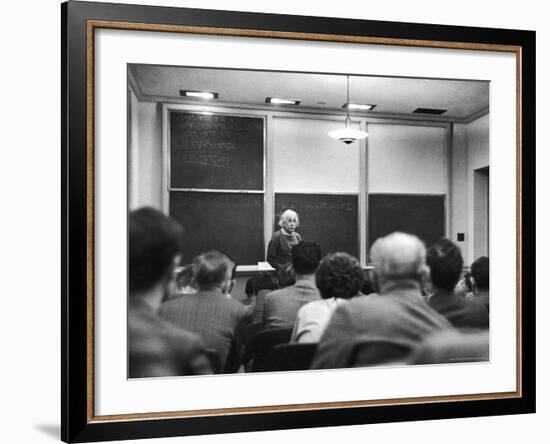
{"x":382,"y":328}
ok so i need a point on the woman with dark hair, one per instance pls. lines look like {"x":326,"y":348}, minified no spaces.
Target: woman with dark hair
{"x":339,"y":277}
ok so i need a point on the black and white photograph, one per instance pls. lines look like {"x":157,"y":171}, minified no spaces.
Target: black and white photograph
{"x":302,"y":221}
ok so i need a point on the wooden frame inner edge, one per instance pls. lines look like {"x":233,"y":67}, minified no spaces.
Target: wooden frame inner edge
{"x":90,"y":28}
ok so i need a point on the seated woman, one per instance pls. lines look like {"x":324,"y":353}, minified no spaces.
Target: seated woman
{"x":338,"y":278}
{"x":282,"y":241}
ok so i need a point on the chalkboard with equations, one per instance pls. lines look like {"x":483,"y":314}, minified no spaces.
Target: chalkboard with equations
{"x":421,"y":215}
{"x":216,"y":151}
{"x":331,"y":220}
{"x":227,"y":222}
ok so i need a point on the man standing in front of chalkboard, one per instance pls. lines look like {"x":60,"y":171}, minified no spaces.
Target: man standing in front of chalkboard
{"x":280,"y":246}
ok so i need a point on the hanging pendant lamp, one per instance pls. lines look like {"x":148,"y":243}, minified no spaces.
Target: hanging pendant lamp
{"x":347,"y":135}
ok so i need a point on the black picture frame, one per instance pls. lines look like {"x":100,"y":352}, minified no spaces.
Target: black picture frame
{"x":78,"y":423}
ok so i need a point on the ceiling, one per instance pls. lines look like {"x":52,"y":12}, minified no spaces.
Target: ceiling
{"x":464,"y":99}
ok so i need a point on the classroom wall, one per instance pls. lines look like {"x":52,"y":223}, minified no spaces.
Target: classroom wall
{"x":478,"y":157}
{"x":470,"y":151}
{"x":146,"y":147}
{"x":302,"y":146}
{"x":406,"y":159}
{"x":400,"y":158}
{"x":459,"y":186}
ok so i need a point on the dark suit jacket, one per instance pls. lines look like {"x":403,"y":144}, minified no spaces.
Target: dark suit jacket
{"x":399,"y":313}
{"x":482,"y":297}
{"x":217,"y":319}
{"x":158,"y":348}
{"x":279,"y":250}
{"x":460,"y":312}
{"x":281,"y":306}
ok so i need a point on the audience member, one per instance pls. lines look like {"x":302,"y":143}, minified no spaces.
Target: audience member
{"x":210,"y":312}
{"x":286,"y":276}
{"x":445,"y":262}
{"x":480,"y":280}
{"x":281,"y":306}
{"x":262,"y":284}
{"x":184,"y":280}
{"x":398,"y":312}
{"x":156,"y":347}
{"x":338,"y":278}
{"x":464,"y":286}
{"x":282,"y":241}
{"x":368,"y":285}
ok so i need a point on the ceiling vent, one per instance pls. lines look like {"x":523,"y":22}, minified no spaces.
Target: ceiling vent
{"x":432,"y":111}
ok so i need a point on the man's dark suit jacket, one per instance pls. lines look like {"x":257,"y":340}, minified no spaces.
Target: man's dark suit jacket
{"x":460,"y":312}
{"x":158,"y":348}
{"x":217,"y":319}
{"x":481,"y":297}
{"x":281,"y":306}
{"x":399,"y":313}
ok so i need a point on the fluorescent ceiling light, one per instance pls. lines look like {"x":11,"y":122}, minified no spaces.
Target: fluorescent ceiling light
{"x":208,"y":95}
{"x":359,"y":106}
{"x":279,"y":101}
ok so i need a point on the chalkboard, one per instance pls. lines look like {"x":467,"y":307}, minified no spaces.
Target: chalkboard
{"x":216,"y":151}
{"x":328,"y":219}
{"x":421,"y":215}
{"x":231,"y":223}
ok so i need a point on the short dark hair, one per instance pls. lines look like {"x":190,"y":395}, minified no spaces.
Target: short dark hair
{"x":480,"y":272}
{"x":339,"y":275}
{"x":286,"y":276}
{"x":369,"y":285}
{"x":306,"y":257}
{"x":445,"y":262}
{"x":154,"y":240}
{"x":185,"y":276}
{"x":264,"y":281}
{"x":211,"y":269}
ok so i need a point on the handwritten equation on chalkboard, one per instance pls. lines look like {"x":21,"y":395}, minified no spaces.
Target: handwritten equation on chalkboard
{"x":327,"y":219}
{"x":216,"y":151}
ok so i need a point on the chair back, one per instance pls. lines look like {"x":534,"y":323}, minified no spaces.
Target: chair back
{"x":263,"y":342}
{"x":293,"y":356}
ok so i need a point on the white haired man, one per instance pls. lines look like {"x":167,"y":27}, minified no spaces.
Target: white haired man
{"x":281,"y":243}
{"x":385,"y":327}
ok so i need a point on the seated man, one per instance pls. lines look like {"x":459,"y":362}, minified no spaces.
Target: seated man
{"x":262,"y":285}
{"x":338,"y":278}
{"x":397,"y":313}
{"x":281,"y":306}
{"x":211,"y":313}
{"x":480,"y":281}
{"x":445,"y":262}
{"x":156,"y":347}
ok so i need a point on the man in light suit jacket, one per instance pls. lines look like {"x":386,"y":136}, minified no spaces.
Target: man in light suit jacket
{"x":397,"y":315}
{"x":211,"y":313}
{"x":281,"y":306}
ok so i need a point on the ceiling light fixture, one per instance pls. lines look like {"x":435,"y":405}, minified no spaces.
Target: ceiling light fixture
{"x":279,"y":101}
{"x":347,"y":135}
{"x":359,"y":106}
{"x":207,"y":95}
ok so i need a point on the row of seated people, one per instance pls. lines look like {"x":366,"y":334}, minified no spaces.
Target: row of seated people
{"x":322,"y":320}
